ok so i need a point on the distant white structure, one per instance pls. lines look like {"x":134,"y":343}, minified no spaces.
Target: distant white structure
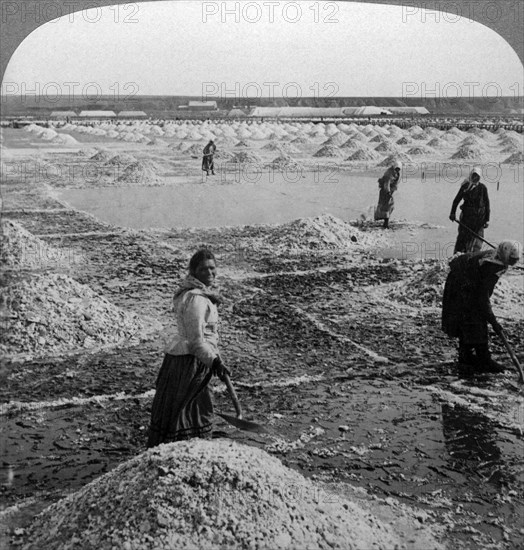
{"x":236,"y":113}
{"x":409,"y":110}
{"x":97,"y":114}
{"x":202,"y":105}
{"x":316,"y":112}
{"x":62,"y":114}
{"x":132,"y":114}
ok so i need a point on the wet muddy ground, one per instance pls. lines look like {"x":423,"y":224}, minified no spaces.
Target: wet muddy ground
{"x":355,"y":389}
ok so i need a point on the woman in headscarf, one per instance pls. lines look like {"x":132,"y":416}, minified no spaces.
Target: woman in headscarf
{"x":208,"y":164}
{"x":182,"y":406}
{"x":475,"y":212}
{"x":466,"y":307}
{"x":387,"y":184}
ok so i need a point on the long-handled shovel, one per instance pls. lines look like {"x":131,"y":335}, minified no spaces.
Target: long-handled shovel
{"x":512,"y":355}
{"x":483,"y":240}
{"x":237,"y":420}
{"x":475,"y":234}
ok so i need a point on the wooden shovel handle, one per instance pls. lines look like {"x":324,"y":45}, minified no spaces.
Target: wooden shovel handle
{"x":233,"y":394}
{"x":513,"y":356}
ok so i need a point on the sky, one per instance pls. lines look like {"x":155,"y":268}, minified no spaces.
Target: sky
{"x":271,"y":49}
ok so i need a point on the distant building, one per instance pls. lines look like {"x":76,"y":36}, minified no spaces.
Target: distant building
{"x":97,"y":114}
{"x":132,"y":114}
{"x":62,"y":114}
{"x":409,"y":110}
{"x":202,"y":105}
{"x":317,"y":112}
{"x":236,"y":113}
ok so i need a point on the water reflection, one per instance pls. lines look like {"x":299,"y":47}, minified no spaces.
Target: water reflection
{"x":471,"y":443}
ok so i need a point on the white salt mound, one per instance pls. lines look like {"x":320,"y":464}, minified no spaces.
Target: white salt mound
{"x":212,"y":495}
{"x":325,"y":232}
{"x":515,"y":158}
{"x":21,"y":249}
{"x":469,"y":152}
{"x":329,"y":151}
{"x":52,"y":313}
{"x":141,"y":172}
{"x":402,"y":157}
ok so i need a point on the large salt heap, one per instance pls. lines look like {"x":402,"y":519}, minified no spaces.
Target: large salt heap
{"x":206,"y":495}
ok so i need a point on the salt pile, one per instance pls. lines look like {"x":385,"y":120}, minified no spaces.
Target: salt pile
{"x":273,"y":146}
{"x":285,"y":162}
{"x":336,"y":139}
{"x":194,"y":150}
{"x":425,"y":288}
{"x":436,"y":142}
{"x":329,"y":151}
{"x":364,"y":153}
{"x":468,"y":152}
{"x":515,"y":158}
{"x":21,"y":249}
{"x":387,"y":147}
{"x":358,"y":136}
{"x":246,"y":157}
{"x":243,"y":143}
{"x":324,"y":232}
{"x":65,"y":139}
{"x":300,"y":140}
{"x":352,"y":144}
{"x":121,"y":159}
{"x":406,"y":140}
{"x":206,"y":495}
{"x":143,"y":172}
{"x":402,"y":157}
{"x":472,"y":140}
{"x":421,"y":150}
{"x":103,"y":155}
{"x":52,"y":313}
{"x":379,"y":138}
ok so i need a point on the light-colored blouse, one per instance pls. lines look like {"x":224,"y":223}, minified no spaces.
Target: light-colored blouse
{"x":197,"y":322}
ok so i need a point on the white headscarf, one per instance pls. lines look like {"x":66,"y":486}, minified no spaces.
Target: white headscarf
{"x":475,"y":170}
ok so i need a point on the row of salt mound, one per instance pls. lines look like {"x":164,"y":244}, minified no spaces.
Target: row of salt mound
{"x":20,"y":249}
{"x":323,"y":232}
{"x":54,"y":313}
{"x":212,"y":495}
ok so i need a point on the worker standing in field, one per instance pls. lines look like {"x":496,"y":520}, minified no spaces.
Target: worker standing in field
{"x":466,"y":307}
{"x":475,"y":213}
{"x":387,"y":184}
{"x":207,"y":160}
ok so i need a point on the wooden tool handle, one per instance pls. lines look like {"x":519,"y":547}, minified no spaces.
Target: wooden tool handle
{"x":513,"y":356}
{"x":233,"y":394}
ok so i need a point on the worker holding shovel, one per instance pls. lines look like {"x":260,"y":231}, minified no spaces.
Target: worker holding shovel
{"x":466,"y":307}
{"x":475,"y":213}
{"x":183,"y":407}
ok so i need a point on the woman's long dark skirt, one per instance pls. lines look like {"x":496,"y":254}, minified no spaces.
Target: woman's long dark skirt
{"x":182,"y":406}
